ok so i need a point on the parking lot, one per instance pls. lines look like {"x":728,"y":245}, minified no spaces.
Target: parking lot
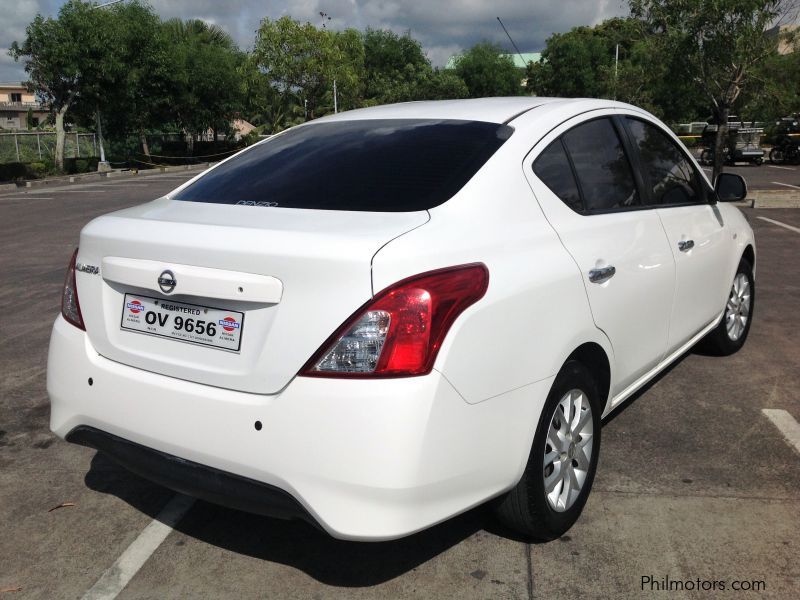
{"x":695,"y":482}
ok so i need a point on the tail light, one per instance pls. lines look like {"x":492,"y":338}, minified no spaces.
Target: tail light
{"x":70,"y":307}
{"x":399,"y":332}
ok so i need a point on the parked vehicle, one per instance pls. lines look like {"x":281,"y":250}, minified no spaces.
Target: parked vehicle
{"x":742,"y":144}
{"x":380,"y":319}
{"x":786,"y":143}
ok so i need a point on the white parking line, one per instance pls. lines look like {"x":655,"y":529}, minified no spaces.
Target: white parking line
{"x":25,"y":197}
{"x":785,"y":168}
{"x":786,"y":424}
{"x":84,"y":191}
{"x":114,"y":580}
{"x":774,"y":222}
{"x":797,"y":187}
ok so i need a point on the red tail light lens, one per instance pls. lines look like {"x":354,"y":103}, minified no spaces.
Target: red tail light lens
{"x":70,"y":307}
{"x":399,"y":332}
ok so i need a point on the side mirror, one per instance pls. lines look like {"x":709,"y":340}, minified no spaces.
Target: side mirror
{"x":730,"y":187}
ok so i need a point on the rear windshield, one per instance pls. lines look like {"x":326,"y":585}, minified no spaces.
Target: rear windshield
{"x":372,"y":165}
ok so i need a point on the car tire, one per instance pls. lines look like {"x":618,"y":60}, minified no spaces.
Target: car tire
{"x":540,"y":507}
{"x":706,"y":158}
{"x":731,"y":333}
{"x":776,"y":156}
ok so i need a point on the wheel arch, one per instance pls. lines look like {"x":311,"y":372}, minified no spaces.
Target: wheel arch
{"x":749,"y":254}
{"x":592,"y":356}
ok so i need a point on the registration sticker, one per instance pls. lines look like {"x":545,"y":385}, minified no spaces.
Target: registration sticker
{"x":196,"y":324}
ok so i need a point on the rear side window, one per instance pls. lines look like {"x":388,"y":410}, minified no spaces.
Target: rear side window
{"x":553,"y":168}
{"x":601,"y":166}
{"x":668,"y":173}
{"x":393,"y":165}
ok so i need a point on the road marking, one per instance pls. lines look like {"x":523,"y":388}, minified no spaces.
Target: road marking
{"x":92,"y":191}
{"x":785,"y":168}
{"x":114,"y":580}
{"x":786,"y":424}
{"x":26,"y":197}
{"x":797,"y":187}
{"x":774,"y":222}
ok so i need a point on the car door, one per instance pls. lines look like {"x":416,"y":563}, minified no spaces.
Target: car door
{"x":693,"y":225}
{"x":585,"y":185}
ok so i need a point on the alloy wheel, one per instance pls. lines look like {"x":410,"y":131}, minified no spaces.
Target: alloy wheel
{"x":737,"y":311}
{"x":568,"y":451}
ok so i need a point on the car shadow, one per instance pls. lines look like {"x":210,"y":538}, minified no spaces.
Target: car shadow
{"x":292,"y":543}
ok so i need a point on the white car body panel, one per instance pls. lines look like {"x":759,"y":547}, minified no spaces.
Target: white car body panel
{"x":248,"y":245}
{"x":376,"y":459}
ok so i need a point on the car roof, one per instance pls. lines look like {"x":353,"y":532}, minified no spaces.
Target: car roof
{"x":492,"y":110}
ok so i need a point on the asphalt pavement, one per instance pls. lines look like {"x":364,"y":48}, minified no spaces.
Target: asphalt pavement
{"x":696,"y":483}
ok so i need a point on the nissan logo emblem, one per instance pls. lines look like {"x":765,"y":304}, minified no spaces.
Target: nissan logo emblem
{"x":167,"y":281}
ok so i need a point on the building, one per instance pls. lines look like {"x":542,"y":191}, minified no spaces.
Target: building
{"x":15,"y":101}
{"x":788,"y":41}
{"x":520,"y":62}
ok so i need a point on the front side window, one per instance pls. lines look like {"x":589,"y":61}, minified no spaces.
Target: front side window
{"x":382,"y":165}
{"x":668,"y":173}
{"x":601,"y":166}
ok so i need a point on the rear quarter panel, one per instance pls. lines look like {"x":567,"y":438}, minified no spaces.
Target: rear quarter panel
{"x":535,"y":311}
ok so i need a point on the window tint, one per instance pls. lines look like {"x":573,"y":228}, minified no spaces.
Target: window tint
{"x":367,"y":165}
{"x":601,"y":166}
{"x":553,"y":168}
{"x":667,"y":171}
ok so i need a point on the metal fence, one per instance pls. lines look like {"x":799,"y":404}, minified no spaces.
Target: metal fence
{"x":35,"y":146}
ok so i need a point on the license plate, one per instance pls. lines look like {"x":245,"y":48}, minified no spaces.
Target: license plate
{"x":184,"y":322}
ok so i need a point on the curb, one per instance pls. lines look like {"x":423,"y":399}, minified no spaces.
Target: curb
{"x":115,"y":174}
{"x":774,"y":199}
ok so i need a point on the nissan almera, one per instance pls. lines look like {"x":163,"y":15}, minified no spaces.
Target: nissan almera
{"x":382,"y":318}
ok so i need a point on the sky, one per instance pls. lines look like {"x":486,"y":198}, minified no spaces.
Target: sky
{"x":444,"y":27}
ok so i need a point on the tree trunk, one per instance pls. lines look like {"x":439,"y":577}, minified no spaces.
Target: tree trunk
{"x":145,"y":147}
{"x":60,"y":137}
{"x":720,"y":142}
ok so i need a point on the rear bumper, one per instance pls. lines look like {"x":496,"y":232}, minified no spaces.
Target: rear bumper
{"x":365,"y":460}
{"x":191,"y":478}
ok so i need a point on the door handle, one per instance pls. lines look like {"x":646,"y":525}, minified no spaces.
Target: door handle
{"x":685,"y":245}
{"x":602,"y":274}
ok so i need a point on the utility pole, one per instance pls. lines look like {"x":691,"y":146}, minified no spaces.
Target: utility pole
{"x":335,"y":101}
{"x":616,"y":68}
{"x":102,"y":165}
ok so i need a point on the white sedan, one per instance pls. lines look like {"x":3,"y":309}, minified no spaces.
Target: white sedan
{"x":380,"y":319}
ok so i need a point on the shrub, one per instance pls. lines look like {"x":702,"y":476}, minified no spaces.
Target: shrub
{"x":12,"y":171}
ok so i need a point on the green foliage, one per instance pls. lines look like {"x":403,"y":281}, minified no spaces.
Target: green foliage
{"x":774,"y":89}
{"x":300,"y":59}
{"x":396,"y":68}
{"x":715,"y":45}
{"x":487,"y":72}
{"x":205,"y":89}
{"x":580,"y":63}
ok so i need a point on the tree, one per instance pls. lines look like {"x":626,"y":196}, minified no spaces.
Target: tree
{"x":715,"y":45}
{"x":139,"y":96}
{"x":300,"y":59}
{"x":264,"y":106}
{"x":486,"y":71}
{"x":64,"y":58}
{"x":206,"y":89}
{"x":396,"y":68}
{"x":774,"y":89}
